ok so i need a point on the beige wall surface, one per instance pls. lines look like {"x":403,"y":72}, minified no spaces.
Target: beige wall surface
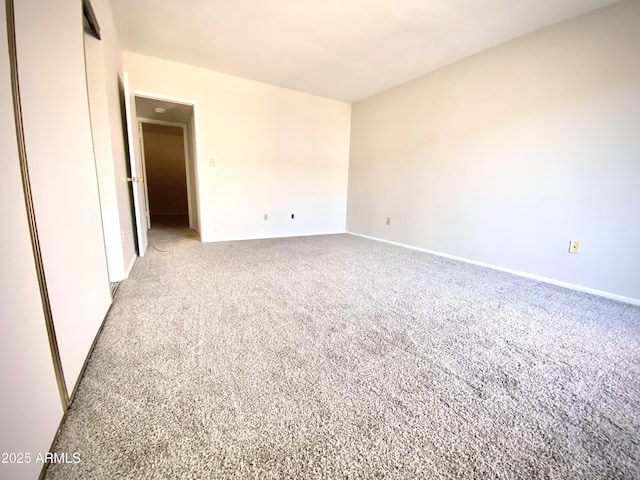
{"x":165,"y":169}
{"x":111,"y":159}
{"x":506,"y":156}
{"x":102,"y":147}
{"x":63,"y":173}
{"x":261,"y":150}
{"x":31,"y":408}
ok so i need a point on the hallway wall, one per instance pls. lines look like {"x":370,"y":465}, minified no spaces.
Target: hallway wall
{"x":166,"y":170}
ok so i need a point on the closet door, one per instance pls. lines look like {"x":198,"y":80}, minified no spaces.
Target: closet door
{"x":57,"y":128}
{"x":30,"y":406}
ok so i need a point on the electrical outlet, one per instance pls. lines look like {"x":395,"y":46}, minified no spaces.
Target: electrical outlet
{"x":574,"y":246}
{"x":266,"y":217}
{"x":292,"y":216}
{"x":388,"y":220}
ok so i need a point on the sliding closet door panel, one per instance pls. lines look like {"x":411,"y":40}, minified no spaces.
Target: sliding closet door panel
{"x":30,"y":409}
{"x":63,"y":173}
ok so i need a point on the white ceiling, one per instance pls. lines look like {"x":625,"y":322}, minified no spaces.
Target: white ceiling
{"x":174,"y":112}
{"x":342,"y":49}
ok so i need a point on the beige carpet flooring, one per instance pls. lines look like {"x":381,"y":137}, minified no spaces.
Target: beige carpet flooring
{"x":337,"y":357}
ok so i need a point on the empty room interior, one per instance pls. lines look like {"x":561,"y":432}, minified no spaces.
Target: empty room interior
{"x":320,"y":240}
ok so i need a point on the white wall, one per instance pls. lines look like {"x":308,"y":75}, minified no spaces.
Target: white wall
{"x":63,"y":174}
{"x":507,"y":155}
{"x":102,"y":146}
{"x":111,"y":159}
{"x":30,"y":408}
{"x":276,"y":151}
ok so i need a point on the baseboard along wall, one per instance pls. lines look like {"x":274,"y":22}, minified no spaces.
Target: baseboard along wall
{"x":552,"y":281}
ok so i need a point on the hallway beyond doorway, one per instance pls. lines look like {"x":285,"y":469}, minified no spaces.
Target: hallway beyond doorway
{"x":169,"y":221}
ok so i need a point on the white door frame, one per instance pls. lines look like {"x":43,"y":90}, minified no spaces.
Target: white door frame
{"x":190,"y":153}
{"x":185,"y":139}
{"x":144,"y":173}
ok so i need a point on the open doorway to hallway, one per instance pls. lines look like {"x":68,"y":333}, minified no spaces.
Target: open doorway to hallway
{"x":165,"y":165}
{"x":167,"y":147}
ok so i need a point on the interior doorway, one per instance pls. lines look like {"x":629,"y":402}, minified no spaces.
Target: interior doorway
{"x":167,"y":149}
{"x":165,"y":157}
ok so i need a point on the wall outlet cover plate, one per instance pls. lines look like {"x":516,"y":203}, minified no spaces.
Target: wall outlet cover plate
{"x":574,"y":246}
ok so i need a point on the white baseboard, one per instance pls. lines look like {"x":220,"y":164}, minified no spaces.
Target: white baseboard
{"x":130,"y":267}
{"x":552,"y":281}
{"x":259,"y":237}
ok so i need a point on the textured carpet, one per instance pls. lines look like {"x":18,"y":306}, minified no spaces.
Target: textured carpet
{"x":339,"y":357}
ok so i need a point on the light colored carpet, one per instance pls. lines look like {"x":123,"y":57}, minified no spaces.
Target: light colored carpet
{"x":339,"y":357}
